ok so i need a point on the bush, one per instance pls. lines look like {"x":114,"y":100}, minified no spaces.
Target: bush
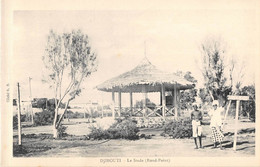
{"x":126,"y":129}
{"x":24,"y":118}
{"x":62,"y":131}
{"x":98,"y":133}
{"x":45,"y":117}
{"x":179,"y":129}
{"x":76,"y":114}
{"x":122,"y":129}
{"x":249,"y":106}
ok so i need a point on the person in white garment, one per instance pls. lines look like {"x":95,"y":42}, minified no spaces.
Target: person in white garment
{"x":216,"y":124}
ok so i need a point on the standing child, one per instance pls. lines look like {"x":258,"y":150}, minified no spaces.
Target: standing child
{"x":196,"y":117}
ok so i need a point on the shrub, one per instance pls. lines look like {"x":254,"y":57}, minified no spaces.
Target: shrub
{"x":76,"y":114}
{"x":15,"y":120}
{"x":249,"y":106}
{"x":125,"y":129}
{"x":179,"y":129}
{"x":98,"y":133}
{"x":44,"y":118}
{"x":62,"y":131}
{"x":122,"y":129}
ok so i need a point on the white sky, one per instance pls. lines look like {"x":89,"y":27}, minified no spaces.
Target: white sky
{"x":172,"y":40}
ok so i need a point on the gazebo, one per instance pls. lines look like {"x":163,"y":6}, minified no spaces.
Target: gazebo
{"x":145,"y":78}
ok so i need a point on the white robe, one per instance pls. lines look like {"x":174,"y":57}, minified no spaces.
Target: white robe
{"x":216,"y":119}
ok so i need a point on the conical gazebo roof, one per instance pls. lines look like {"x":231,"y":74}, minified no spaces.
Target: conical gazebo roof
{"x":146,"y":74}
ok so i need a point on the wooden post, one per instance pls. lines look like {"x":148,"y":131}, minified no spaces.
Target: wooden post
{"x":144,"y":99}
{"x":175,"y":103}
{"x":102,"y":108}
{"x":178,"y":100}
{"x":131,"y":103}
{"x":91,"y":111}
{"x":85,"y":109}
{"x":67,"y":115}
{"x":19,"y":116}
{"x":113,"y":104}
{"x":163,"y":99}
{"x":238,"y":99}
{"x":31,"y":98}
{"x":46,"y":104}
{"x":120,"y":103}
{"x":236,"y":125}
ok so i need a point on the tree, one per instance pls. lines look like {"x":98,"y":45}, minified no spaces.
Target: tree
{"x":249,"y":106}
{"x":204,"y":95}
{"x":187,"y":97}
{"x":237,"y":74}
{"x":215,"y":80}
{"x":68,"y":59}
{"x":39,"y":103}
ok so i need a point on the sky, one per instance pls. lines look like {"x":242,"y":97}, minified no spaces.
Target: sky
{"x":170,"y":39}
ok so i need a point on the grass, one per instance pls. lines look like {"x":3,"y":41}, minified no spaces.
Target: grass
{"x":34,"y":145}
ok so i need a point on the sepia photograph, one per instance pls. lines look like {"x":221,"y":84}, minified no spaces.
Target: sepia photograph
{"x":136,"y":86}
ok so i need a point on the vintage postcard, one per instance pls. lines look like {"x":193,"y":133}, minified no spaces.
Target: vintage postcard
{"x":130,"y":83}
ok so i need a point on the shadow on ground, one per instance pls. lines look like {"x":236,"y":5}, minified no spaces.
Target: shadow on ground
{"x":242,"y":131}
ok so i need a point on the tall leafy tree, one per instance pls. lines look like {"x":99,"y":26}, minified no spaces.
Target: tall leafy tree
{"x":215,"y":80}
{"x":68,"y":60}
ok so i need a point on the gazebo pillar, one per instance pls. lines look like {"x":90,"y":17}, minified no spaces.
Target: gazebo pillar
{"x":102,"y":109}
{"x":131,"y":103}
{"x":144,"y":99}
{"x":163,"y":99}
{"x":113,"y":104}
{"x":175,"y":102}
{"x":178,"y":100}
{"x":160,"y":97}
{"x":119,"y":103}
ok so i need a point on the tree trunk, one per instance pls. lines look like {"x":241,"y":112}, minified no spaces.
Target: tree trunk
{"x":55,"y":132}
{"x":211,"y":95}
{"x":61,"y":117}
{"x":67,"y":115}
{"x":55,"y":116}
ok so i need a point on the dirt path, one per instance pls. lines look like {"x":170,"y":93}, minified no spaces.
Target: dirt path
{"x":156,"y":147}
